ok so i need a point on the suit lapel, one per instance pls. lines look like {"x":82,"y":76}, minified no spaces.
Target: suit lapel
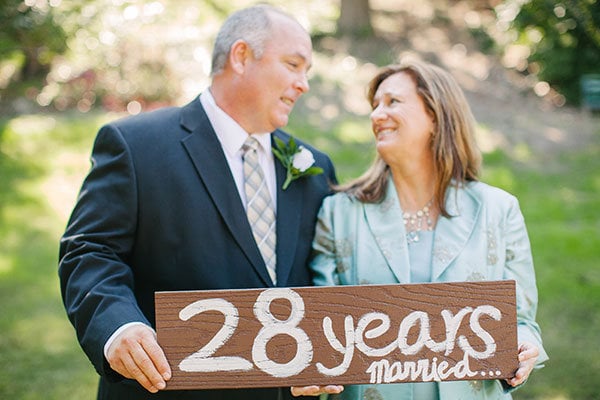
{"x":210,"y":163}
{"x":289,"y":206}
{"x":453,"y":233}
{"x":385,"y":223}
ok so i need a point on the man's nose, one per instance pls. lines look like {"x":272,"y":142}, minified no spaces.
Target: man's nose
{"x":302,"y":84}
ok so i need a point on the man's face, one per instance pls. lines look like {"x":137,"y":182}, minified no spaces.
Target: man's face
{"x":274,"y":82}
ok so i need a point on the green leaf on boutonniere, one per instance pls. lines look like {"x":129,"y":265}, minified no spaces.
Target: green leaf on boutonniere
{"x":297,"y":160}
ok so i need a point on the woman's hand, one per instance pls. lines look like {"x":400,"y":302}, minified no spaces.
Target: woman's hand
{"x":528,"y":354}
{"x":315,"y":390}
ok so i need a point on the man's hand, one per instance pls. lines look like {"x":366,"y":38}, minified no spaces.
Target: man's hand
{"x":315,"y":390}
{"x":135,"y":354}
{"x":528,"y":354}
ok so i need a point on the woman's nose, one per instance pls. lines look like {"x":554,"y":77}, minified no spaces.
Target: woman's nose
{"x":378,"y":113}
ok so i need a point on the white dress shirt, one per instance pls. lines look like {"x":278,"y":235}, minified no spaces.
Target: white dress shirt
{"x":232,"y":136}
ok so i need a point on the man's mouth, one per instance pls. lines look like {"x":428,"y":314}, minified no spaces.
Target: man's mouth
{"x":288,"y":101}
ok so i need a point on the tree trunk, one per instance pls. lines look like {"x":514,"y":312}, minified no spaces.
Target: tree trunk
{"x":355,"y":18}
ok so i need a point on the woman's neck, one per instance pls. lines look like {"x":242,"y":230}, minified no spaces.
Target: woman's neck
{"x":415,"y":186}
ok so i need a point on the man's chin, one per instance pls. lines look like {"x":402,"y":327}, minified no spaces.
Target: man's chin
{"x":280,"y":122}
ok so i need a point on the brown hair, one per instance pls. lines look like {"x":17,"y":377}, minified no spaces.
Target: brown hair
{"x":455,"y":155}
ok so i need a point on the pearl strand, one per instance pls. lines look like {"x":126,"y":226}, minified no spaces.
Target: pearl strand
{"x":414,"y":222}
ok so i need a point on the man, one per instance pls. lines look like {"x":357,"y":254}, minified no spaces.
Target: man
{"x":164,"y":207}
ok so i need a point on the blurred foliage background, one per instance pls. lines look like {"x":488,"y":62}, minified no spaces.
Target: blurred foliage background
{"x":70,"y":53}
{"x":68,"y":66}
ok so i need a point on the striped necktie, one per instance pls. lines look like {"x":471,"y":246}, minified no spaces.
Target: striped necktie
{"x":259,"y":207}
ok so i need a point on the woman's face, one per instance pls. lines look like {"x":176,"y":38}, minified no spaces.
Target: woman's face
{"x":400,"y":122}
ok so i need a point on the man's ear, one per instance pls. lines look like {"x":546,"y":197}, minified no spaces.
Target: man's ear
{"x":239,"y":55}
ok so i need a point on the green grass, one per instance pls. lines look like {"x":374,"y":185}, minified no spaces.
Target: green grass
{"x":40,"y":159}
{"x":44,"y":158}
{"x":562,"y":208}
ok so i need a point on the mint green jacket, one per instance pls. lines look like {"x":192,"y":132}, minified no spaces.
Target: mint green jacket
{"x":486,"y":239}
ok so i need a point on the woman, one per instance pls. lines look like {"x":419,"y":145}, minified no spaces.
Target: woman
{"x":419,"y":214}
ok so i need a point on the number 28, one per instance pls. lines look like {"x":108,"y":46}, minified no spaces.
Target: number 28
{"x":203,"y":359}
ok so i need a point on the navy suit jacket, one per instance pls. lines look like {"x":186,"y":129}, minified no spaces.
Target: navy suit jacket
{"x":158,"y":211}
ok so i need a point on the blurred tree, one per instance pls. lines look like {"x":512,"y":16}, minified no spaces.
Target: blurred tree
{"x":355,"y":18}
{"x":564,"y":38}
{"x":113,"y":53}
{"x":30,"y":33}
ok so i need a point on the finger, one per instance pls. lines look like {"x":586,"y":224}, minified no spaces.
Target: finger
{"x":118,"y":366}
{"x":522,"y":373}
{"x":333,"y":389}
{"x":158,"y":358}
{"x":315,"y":390}
{"x":527,"y":353}
{"x":146,"y":366}
{"x":115,"y":357}
{"x":134,"y":372}
{"x":304,"y":390}
{"x":513,"y":382}
{"x":127,"y":355}
{"x":517,"y":379}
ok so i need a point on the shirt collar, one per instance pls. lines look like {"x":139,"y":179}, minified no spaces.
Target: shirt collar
{"x":231,"y":135}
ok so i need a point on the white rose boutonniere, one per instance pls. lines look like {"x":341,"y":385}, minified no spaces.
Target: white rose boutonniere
{"x":297,"y":160}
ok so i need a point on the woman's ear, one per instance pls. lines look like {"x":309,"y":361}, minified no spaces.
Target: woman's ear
{"x":239,"y":55}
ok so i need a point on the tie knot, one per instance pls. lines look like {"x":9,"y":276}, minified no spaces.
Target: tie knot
{"x":250,"y":144}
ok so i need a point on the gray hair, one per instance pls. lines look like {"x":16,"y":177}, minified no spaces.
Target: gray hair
{"x":252,"y":25}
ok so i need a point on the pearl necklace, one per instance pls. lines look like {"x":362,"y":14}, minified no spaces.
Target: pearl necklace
{"x":414,"y":222}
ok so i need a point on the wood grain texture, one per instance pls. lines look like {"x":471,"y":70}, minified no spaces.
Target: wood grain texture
{"x":294,"y":340}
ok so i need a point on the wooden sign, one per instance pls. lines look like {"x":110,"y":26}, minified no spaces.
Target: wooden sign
{"x":338,"y":335}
